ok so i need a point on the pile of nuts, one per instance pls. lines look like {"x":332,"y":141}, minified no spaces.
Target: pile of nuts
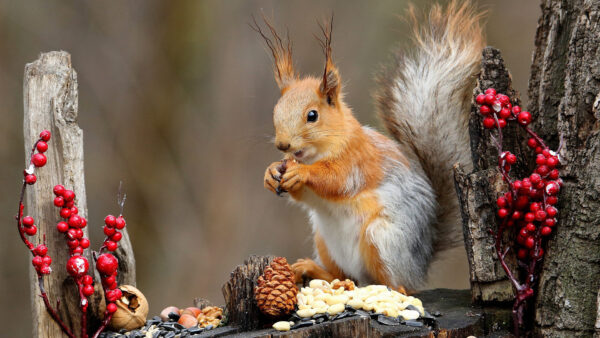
{"x":332,"y":298}
{"x":209,"y":316}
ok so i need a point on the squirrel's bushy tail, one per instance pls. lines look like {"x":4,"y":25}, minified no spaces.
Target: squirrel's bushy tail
{"x":424,"y":100}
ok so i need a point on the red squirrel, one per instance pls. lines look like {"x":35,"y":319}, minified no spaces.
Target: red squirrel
{"x":380,"y":208}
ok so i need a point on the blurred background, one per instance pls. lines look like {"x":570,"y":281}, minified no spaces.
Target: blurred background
{"x":176,"y":100}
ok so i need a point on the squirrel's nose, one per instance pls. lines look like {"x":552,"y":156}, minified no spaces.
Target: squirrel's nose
{"x":283,"y":146}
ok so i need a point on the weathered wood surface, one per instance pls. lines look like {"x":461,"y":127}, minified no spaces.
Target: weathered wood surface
{"x":477,"y":191}
{"x":51,"y":102}
{"x":457,"y":318}
{"x":565,"y":100}
{"x":238,"y":292}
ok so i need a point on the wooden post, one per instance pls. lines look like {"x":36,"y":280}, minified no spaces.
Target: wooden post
{"x":50,"y":102}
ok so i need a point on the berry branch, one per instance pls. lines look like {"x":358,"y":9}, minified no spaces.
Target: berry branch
{"x":528,"y":205}
{"x":72,"y":227}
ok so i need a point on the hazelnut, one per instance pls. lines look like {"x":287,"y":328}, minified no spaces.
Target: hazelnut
{"x":132,"y":309}
{"x":188,"y":321}
{"x":164,"y":314}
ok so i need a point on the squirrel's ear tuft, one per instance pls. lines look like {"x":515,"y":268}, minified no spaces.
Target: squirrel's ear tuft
{"x":331,"y":83}
{"x":283,"y":66}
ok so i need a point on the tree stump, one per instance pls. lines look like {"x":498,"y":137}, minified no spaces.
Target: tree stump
{"x":238,"y":292}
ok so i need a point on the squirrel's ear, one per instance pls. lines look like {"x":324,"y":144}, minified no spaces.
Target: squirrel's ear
{"x":331,"y":83}
{"x":283,"y":66}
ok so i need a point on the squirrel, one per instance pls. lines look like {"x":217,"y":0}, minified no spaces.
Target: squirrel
{"x":381,"y":209}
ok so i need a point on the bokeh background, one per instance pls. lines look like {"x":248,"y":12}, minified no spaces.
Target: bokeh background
{"x":176,"y":100}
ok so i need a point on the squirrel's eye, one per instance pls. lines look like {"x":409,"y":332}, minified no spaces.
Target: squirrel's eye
{"x":312,"y":116}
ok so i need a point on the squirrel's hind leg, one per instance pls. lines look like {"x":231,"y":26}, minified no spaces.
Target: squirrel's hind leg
{"x":308,"y":268}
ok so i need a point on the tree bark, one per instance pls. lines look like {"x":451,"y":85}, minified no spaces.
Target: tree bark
{"x":565,"y":99}
{"x":50,"y":102}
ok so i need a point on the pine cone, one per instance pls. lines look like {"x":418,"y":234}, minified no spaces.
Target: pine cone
{"x":276,"y":291}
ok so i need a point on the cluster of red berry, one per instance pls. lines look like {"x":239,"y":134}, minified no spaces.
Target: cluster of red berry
{"x":112,"y":225}
{"x":72,"y":226}
{"x":530,"y":202}
{"x":107,"y":265}
{"x":38,"y":159}
{"x":497,"y":110}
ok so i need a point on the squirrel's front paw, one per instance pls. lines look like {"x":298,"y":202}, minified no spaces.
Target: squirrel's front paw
{"x":273,"y":176}
{"x":294,"y":178}
{"x":304,"y":268}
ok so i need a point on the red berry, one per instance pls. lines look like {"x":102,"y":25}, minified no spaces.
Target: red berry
{"x":88,"y":290}
{"x":72,"y":234}
{"x":74,"y":210}
{"x":78,"y":233}
{"x":501,"y":202}
{"x":517,"y":185}
{"x":552,"y":188}
{"x":522,"y":254}
{"x":111,"y":246}
{"x":532,"y":143}
{"x":550,"y":222}
{"x":120,"y":223}
{"x":113,"y":286}
{"x":75,"y":221}
{"x":554,"y":174}
{"x":526,"y":184}
{"x":529,"y":217}
{"x":511,"y":158}
{"x":69,"y":195}
{"x":31,"y":230}
{"x":65,"y":213}
{"x":111,"y":308}
{"x":524,"y":118}
{"x":484,"y":110}
{"x":523,"y":232}
{"x":517,"y":215}
{"x":77,"y":250}
{"x":39,"y":160}
{"x":540,"y":215}
{"x":516,"y":110}
{"x":107,"y":264}
{"x":110,"y":221}
{"x":110,"y":280}
{"x":502,"y":213}
{"x":30,"y":179}
{"x":62,"y":227}
{"x":87,"y":280}
{"x":37,"y":261}
{"x":27,"y":221}
{"x":480,"y":99}
{"x":504,"y":113}
{"x":535,"y":178}
{"x":529,"y":242}
{"x":543,"y":170}
{"x":540,"y":159}
{"x":47,"y":260}
{"x":77,"y":266}
{"x":42,"y":146}
{"x":501,"y":123}
{"x":83,"y":222}
{"x":84,"y":243}
{"x":490,"y":91}
{"x":551,"y":211}
{"x":58,"y":190}
{"x":116,"y":237}
{"x":489,"y":98}
{"x":538,"y":150}
{"x":72,"y":243}
{"x":535,"y":206}
{"x":546,"y":153}
{"x":489,"y":123}
{"x":522,"y":202}
{"x":59,"y":201}
{"x":503,"y":99}
{"x":113,"y":295}
{"x":546,"y":231}
{"x":45,"y":135}
{"x":530,"y":227}
{"x":45,"y":270}
{"x":40,"y":250}
{"x":552,"y":161}
{"x":510,"y":223}
{"x":69,"y":204}
{"x":109,"y":231}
